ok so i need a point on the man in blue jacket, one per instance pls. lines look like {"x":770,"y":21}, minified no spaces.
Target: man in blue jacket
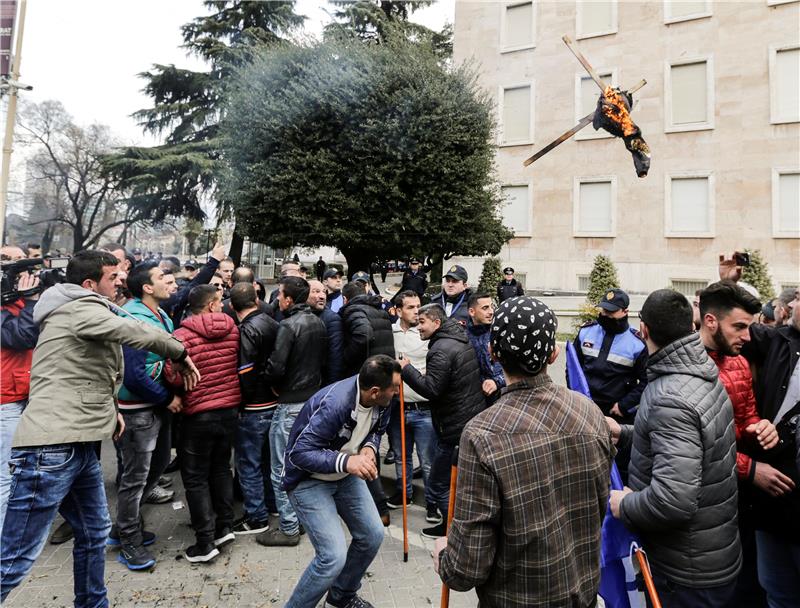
{"x":481,"y":313}
{"x":331,"y":451}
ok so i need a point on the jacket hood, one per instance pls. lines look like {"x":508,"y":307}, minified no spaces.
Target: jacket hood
{"x":685,"y":356}
{"x":210,"y":325}
{"x":59,"y":295}
{"x":366,"y":300}
{"x":450,"y":329}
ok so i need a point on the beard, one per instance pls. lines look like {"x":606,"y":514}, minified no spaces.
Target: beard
{"x":721,"y":345}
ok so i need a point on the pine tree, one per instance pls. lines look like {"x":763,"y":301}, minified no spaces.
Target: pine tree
{"x":602,"y":278}
{"x":757,"y":275}
{"x":491,"y":275}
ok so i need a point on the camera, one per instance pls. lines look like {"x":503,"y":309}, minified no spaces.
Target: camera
{"x":10,"y":271}
{"x":741,"y":258}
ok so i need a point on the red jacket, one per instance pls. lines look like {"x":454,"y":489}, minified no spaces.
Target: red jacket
{"x":212,"y":341}
{"x":19,"y":334}
{"x":735,"y":375}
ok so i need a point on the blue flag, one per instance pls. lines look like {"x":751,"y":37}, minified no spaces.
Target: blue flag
{"x":618,"y":586}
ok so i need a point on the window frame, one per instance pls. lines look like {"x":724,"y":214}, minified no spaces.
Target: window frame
{"x":587,"y":133}
{"x":711,"y":105}
{"x":668,"y":18}
{"x":529,"y":186}
{"x":577,"y":232}
{"x":777,"y":233}
{"x":580,"y":35}
{"x":779,"y":2}
{"x":774,"y":49}
{"x":504,"y":6}
{"x":669,"y":232}
{"x":501,"y":118}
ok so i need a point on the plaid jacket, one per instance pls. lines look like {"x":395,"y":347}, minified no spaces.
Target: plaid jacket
{"x":532,"y":489}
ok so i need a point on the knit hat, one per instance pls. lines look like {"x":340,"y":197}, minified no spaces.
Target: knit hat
{"x":523,"y":334}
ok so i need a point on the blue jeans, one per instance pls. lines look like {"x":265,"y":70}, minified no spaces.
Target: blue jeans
{"x":439,"y":477}
{"x":64,"y":478}
{"x":253,"y":464}
{"x":778,"y":569}
{"x":10,"y":413}
{"x":419,"y":432}
{"x":335,"y":567}
{"x":282,"y":421}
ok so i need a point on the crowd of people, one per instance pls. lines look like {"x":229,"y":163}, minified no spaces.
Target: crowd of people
{"x":698,"y":407}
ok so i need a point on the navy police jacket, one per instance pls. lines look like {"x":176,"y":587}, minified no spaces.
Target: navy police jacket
{"x":322,"y":428}
{"x":615,"y":366}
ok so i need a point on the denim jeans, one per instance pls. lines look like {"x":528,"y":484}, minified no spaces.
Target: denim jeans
{"x":136,"y":447}
{"x":163,"y":452}
{"x":439,"y":477}
{"x":673,"y":595}
{"x":778,"y":569}
{"x":335,"y":567}
{"x":205,"y":452}
{"x":67,"y":479}
{"x":253,"y":463}
{"x":282,"y":421}
{"x":419,"y":432}
{"x":10,"y":413}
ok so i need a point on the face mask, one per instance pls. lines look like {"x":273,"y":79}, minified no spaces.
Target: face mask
{"x":613,"y":326}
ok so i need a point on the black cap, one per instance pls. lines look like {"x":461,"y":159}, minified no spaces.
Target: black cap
{"x":457,"y":272}
{"x":614,"y":300}
{"x":508,"y":270}
{"x":136,"y":251}
{"x":414,"y":261}
{"x":331,"y":272}
{"x":360,"y":276}
{"x":190,"y":264}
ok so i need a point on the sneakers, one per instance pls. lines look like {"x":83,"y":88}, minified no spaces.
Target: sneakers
{"x":164,"y":481}
{"x":249,"y":526}
{"x":148,"y":538}
{"x":135,"y":557}
{"x":435,"y":532}
{"x":223,"y":537}
{"x":353,"y":602}
{"x":389,"y":458}
{"x":201,"y":553}
{"x":396,"y":501}
{"x":278,"y":538}
{"x":62,"y":534}
{"x":158,"y":496}
{"x":173,"y":465}
{"x":432,"y":516}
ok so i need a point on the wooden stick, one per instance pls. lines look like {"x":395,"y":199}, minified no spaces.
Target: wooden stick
{"x":451,"y":507}
{"x":561,"y":139}
{"x":637,"y":86}
{"x":586,"y":65}
{"x":648,"y":578}
{"x":403,"y":462}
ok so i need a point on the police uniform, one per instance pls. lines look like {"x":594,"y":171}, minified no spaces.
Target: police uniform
{"x":509,"y":289}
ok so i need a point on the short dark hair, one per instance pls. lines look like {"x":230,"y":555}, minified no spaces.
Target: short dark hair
{"x":88,"y":264}
{"x":473,"y":299}
{"x":200,"y":296}
{"x":33,"y":246}
{"x":139,"y":277}
{"x":296,"y":288}
{"x":403,"y":296}
{"x":722,"y":297}
{"x":172,"y":264}
{"x":668,"y":316}
{"x":243,"y":274}
{"x":219,"y":275}
{"x":434,"y":312}
{"x":243,"y":295}
{"x":378,"y":371}
{"x":112,"y":246}
{"x":353,"y":289}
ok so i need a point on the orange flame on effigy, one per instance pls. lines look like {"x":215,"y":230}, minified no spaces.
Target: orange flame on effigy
{"x":616,"y":111}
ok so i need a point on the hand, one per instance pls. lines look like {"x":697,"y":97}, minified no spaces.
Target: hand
{"x":615,"y":429}
{"x":219,"y":253}
{"x":615,"y":411}
{"x":438,"y":546}
{"x":403,"y":362}
{"x":28,"y":281}
{"x":363,"y":467}
{"x":489,"y":386}
{"x":728,"y":269}
{"x":187,"y":369}
{"x":176,"y":405}
{"x":616,"y":497}
{"x":771,"y":480}
{"x":367,"y":452}
{"x":118,"y":432}
{"x":765,"y":432}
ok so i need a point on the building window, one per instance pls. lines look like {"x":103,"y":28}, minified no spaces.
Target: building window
{"x":784,"y":84}
{"x":586,"y":94}
{"x":517,"y":209}
{"x":786,"y":203}
{"x":689,"y":95}
{"x":689,"y":205}
{"x":595,"y":18}
{"x":518,"y":27}
{"x":688,"y":287}
{"x":583,"y":282}
{"x":594,"y":206}
{"x":516,"y":121}
{"x":684,"y":10}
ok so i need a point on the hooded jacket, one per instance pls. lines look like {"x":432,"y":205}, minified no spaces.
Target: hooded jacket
{"x":212,"y":340}
{"x":367,"y":332}
{"x":77,"y":366}
{"x":451,"y":383}
{"x":683,"y":469}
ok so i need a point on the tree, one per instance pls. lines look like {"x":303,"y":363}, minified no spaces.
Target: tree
{"x":367,"y":148}
{"x":491,"y":275}
{"x":602,"y":278}
{"x":757,"y":275}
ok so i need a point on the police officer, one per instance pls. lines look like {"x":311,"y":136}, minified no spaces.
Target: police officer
{"x":508,"y":287}
{"x":414,"y":279}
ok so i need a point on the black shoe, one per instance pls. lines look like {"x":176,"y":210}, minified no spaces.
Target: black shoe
{"x":164,"y":481}
{"x":389,"y":458}
{"x":435,"y":532}
{"x":148,"y":538}
{"x":136,"y":557}
{"x":277,"y":538}
{"x":353,"y":602}
{"x":417,"y":473}
{"x":396,"y":501}
{"x":432,"y":516}
{"x":62,"y":534}
{"x":201,"y":553}
{"x":250,"y":526}
{"x":223,"y":537}
{"x":173,"y":466}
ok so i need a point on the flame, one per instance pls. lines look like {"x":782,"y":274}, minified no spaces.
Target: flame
{"x":616,"y":111}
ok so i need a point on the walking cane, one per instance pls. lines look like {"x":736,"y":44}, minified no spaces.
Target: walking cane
{"x":403,"y":461}
{"x":451,"y":505}
{"x":648,"y":578}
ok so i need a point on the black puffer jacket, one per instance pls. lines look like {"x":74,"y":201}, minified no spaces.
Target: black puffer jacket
{"x":367,"y":332}
{"x":452,"y":381}
{"x":295,"y":367}
{"x":683,"y":469}
{"x":257,"y":334}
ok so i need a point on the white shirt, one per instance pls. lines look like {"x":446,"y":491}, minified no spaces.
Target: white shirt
{"x":415,"y":349}
{"x":792,"y":394}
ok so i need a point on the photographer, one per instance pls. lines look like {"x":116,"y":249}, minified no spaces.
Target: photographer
{"x":19,"y":334}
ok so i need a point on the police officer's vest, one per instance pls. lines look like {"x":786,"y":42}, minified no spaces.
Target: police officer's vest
{"x":625,"y":348}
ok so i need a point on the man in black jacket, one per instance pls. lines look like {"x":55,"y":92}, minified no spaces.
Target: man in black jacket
{"x":454,"y":295}
{"x":414,"y":279}
{"x":243,"y":274}
{"x":508,"y":287}
{"x":176,"y":305}
{"x":317,"y":297}
{"x":257,"y":334}
{"x":367,"y":327}
{"x":295,"y":370}
{"x":452,"y":385}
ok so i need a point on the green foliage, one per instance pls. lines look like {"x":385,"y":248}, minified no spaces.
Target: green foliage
{"x":586,"y":312}
{"x":363,"y":147}
{"x":757,"y":275}
{"x":602,"y":278}
{"x":491,"y":275}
